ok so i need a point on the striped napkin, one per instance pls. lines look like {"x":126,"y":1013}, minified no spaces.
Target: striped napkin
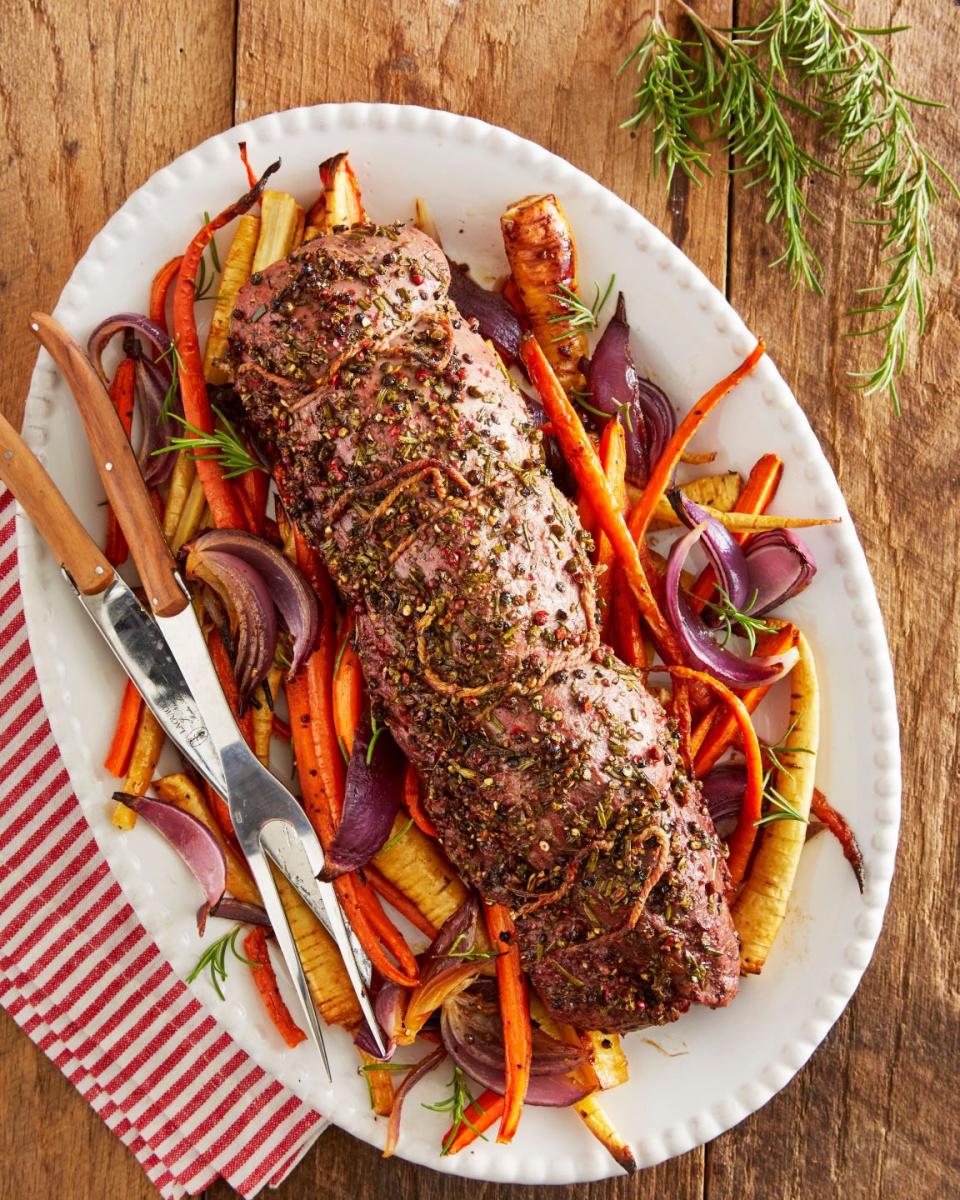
{"x":81,"y":976}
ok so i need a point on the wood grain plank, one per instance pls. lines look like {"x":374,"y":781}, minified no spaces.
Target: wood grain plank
{"x":546,"y":71}
{"x":865,"y":1118}
{"x":94,"y":97}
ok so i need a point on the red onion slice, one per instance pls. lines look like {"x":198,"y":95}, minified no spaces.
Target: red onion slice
{"x":447,"y":965}
{"x":472,"y":1033}
{"x":249,"y":605}
{"x":494,"y":316}
{"x":191,"y":839}
{"x":150,"y":390}
{"x":291,"y":593}
{"x":388,"y":1007}
{"x":780,"y":566}
{"x":120,"y":323}
{"x":615,"y":387}
{"x":700,"y":648}
{"x":723,"y":789}
{"x":231,"y":909}
{"x":722,"y":548}
{"x":422,"y":1068}
{"x":372,"y":798}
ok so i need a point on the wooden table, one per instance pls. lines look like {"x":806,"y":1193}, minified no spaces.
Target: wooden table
{"x":95,"y":97}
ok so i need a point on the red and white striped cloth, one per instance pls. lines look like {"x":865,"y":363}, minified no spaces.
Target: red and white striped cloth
{"x":81,"y":976}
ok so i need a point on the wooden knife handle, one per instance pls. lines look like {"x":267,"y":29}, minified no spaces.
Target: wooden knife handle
{"x":118,"y":468}
{"x":58,"y":526}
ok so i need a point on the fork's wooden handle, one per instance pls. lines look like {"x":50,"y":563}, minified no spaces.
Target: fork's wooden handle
{"x":58,"y":526}
{"x":118,"y":468}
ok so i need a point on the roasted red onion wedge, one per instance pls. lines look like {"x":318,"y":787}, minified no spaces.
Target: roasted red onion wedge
{"x":290,"y":592}
{"x":472,"y":1033}
{"x":230,"y":909}
{"x":372,"y":797}
{"x":191,"y":839}
{"x":121,"y":323}
{"x":699,"y":647}
{"x":723,"y":790}
{"x":780,"y":566}
{"x":616,"y":389}
{"x":450,"y":964}
{"x":249,"y":605}
{"x":417,"y":1072}
{"x":390,"y":999}
{"x":495,"y":319}
{"x":722,"y":548}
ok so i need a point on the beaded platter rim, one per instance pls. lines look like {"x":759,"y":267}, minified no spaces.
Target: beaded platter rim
{"x":543,"y":1162}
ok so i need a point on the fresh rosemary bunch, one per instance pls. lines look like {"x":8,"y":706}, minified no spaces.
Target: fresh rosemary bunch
{"x":804,"y":69}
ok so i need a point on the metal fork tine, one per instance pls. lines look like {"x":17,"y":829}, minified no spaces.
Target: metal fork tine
{"x":288,"y":946}
{"x":298,"y":856}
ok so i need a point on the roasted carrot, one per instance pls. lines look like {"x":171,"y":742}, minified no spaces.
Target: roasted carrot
{"x":515,"y":1015}
{"x":626,"y":632}
{"x":264,"y":976}
{"x":836,"y":822}
{"x":347,"y":694}
{"x":582,"y":458}
{"x":477,"y":1119}
{"x":221,"y":493}
{"x":121,"y":393}
{"x":159,"y":289}
{"x":118,"y":756}
{"x":400,"y":901}
{"x":723,"y":728}
{"x":414,"y":805}
{"x":373,"y":928}
{"x":255,"y":486}
{"x":244,"y":158}
{"x":758,"y":491}
{"x":613,"y":459}
{"x":667,"y":463}
{"x":740,"y":843}
{"x":146,"y":750}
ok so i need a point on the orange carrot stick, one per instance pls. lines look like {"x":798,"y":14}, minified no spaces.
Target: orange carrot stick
{"x":264,"y":976}
{"x":159,"y":288}
{"x":740,"y":842}
{"x":717,"y":740}
{"x":613,"y":459}
{"x":582,"y":458}
{"x":221,"y":493}
{"x":477,"y":1119}
{"x":837,"y":823}
{"x":515,"y":1014}
{"x":758,"y":492}
{"x":414,"y":805}
{"x":118,"y":756}
{"x":400,"y":901}
{"x":347,"y":695}
{"x":668,"y":461}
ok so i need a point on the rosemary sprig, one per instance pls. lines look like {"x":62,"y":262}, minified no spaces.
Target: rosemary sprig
{"x":224,"y":445}
{"x":471,"y":953}
{"x":207,"y":276}
{"x":780,"y":808}
{"x":456,"y":1104}
{"x":732,"y":617}
{"x":778,"y":750}
{"x":375,"y":730}
{"x":398,"y":836}
{"x":176,"y":363}
{"x":746,"y":88}
{"x":576,"y":314}
{"x":580,"y":398}
{"x":214,"y":959}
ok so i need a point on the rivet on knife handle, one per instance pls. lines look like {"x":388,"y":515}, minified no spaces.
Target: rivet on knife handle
{"x":47,"y":509}
{"x":117,"y":466}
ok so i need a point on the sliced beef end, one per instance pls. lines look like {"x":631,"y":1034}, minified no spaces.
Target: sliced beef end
{"x":552,"y":774}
